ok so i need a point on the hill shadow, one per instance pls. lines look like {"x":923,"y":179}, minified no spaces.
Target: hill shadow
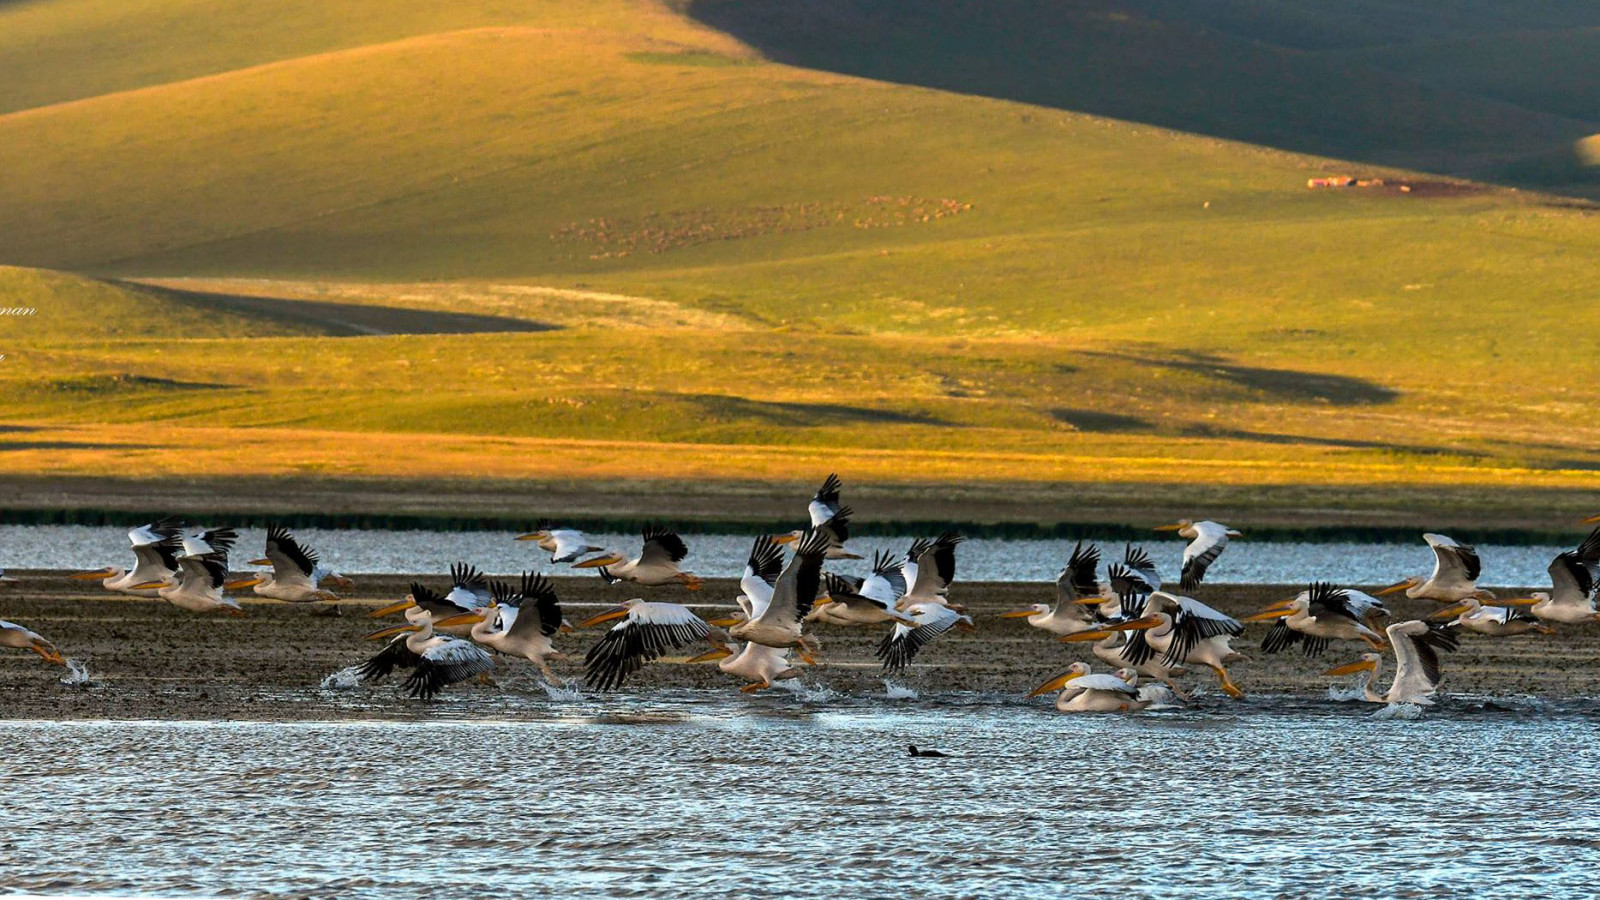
{"x":349,"y":319}
{"x":1283,"y":384}
{"x":801,"y":415}
{"x":1162,"y":64}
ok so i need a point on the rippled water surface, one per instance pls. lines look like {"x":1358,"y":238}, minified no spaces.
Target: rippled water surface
{"x":409,"y":552}
{"x":694,"y":794}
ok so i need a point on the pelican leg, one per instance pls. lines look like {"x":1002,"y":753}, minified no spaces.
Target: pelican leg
{"x":752,"y":688}
{"x":1228,"y":687}
{"x":1376,"y":644}
{"x":50,"y":655}
{"x":1178,"y":692}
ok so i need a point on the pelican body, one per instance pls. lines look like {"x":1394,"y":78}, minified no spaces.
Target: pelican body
{"x":14,"y":635}
{"x":1456,"y":568}
{"x":1076,"y":591}
{"x":1084,"y":691}
{"x":1574,"y":579}
{"x":1416,"y":675}
{"x":655,"y":566}
{"x":1207,"y":540}
{"x":297,"y":572}
{"x":1492,"y":621}
{"x":523,"y":623}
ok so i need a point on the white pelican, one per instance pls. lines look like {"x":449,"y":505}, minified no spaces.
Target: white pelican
{"x":297,"y":573}
{"x":929,"y":569}
{"x":563,"y":544}
{"x":202,"y":579}
{"x":1084,"y":691}
{"x":782,"y":622}
{"x":647,"y":631}
{"x":1318,"y":615}
{"x":14,"y":635}
{"x":423,"y":604}
{"x":863,"y":601}
{"x":1493,"y":621}
{"x":1207,"y":540}
{"x":758,"y":665}
{"x":435,"y":660}
{"x":1075,"y":588}
{"x":1456,"y":568}
{"x":1185,"y":631}
{"x":656,"y":564}
{"x":155,"y":550}
{"x":522,"y":623}
{"x":1111,"y":648}
{"x":828,"y":515}
{"x":1573,"y":579}
{"x":212,"y":540}
{"x":930,"y":621}
{"x":1416,"y":674}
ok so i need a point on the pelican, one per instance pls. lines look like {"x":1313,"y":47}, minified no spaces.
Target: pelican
{"x":930,"y":621}
{"x":297,"y":573}
{"x":522,"y":623}
{"x":435,"y":660}
{"x":1207,"y":540}
{"x":200,"y":585}
{"x":929,"y":568}
{"x":155,"y":549}
{"x":1573,"y":579}
{"x":1084,"y":691}
{"x":647,"y":631}
{"x":209,"y":541}
{"x":1076,"y":587}
{"x":1320,"y":614}
{"x":1138,"y":571}
{"x":423,"y":604}
{"x":1416,"y":674}
{"x":1112,"y":648}
{"x":863,"y":601}
{"x":781,"y":624}
{"x":1456,"y":568}
{"x":1185,"y":631}
{"x":656,"y":565}
{"x":1494,"y":621}
{"x":827,"y":514}
{"x":563,"y":544}
{"x":14,"y":635}
{"x":758,"y":665}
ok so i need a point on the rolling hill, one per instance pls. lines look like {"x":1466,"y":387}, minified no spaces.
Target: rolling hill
{"x":608,"y":242}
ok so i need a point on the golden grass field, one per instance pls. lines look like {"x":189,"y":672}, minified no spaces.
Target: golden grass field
{"x":598,"y":251}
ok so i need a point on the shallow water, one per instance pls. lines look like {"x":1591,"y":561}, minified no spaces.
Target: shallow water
{"x":696,"y":794}
{"x":413,"y":552}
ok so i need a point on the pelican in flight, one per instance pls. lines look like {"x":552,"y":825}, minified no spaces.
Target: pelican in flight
{"x":929,"y":569}
{"x":1137,"y":575}
{"x":1493,"y":621}
{"x":930,"y":621}
{"x":647,"y":631}
{"x":563,"y":544}
{"x":436,"y":661}
{"x":757,"y":664}
{"x":1085,"y":691}
{"x":827,"y":515}
{"x":1573,"y":580}
{"x":297,"y":573}
{"x":863,"y":601}
{"x":1320,"y":614}
{"x":155,"y":550}
{"x":1185,"y":631}
{"x":14,"y":635}
{"x":656,"y":564}
{"x":1416,"y":675}
{"x":1076,"y":589}
{"x":423,"y":604}
{"x":781,"y":624}
{"x":521,"y":623}
{"x":202,"y":579}
{"x":1456,"y":568}
{"x":1207,"y":540}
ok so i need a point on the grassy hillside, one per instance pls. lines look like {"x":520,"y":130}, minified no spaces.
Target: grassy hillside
{"x":750,"y":271}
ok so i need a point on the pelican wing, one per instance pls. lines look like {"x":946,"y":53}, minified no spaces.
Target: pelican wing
{"x":288,"y":555}
{"x":1281,"y":637}
{"x":214,"y":540}
{"x":431,"y":602}
{"x":1574,"y":572}
{"x":825,"y":504}
{"x":887,"y":583}
{"x":1102,"y":681}
{"x":936,"y":568}
{"x":797,"y":587}
{"x":1138,"y":560}
{"x":1195,"y":622}
{"x":469,"y":587}
{"x":1453,"y":562}
{"x":1416,"y":645}
{"x":1329,"y":602}
{"x":661,"y":548}
{"x":537,"y":591}
{"x":447,"y":662}
{"x":837,"y":527}
{"x":394,"y":655}
{"x":1078,"y":579}
{"x":1211,"y":538}
{"x":159,"y":556}
{"x":648,"y":632}
{"x":900,"y":645}
{"x":157,"y":532}
{"x":570,"y":544}
{"x":762,"y":569}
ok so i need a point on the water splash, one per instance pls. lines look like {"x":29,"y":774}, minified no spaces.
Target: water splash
{"x":1160,"y":697}
{"x":345,"y":679}
{"x":896,"y":691}
{"x":1345,"y":693}
{"x":1403,"y":711}
{"x":77,"y":674}
{"x":806,"y":693}
{"x":566,"y":693}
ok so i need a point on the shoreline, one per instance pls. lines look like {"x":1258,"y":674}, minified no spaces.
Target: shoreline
{"x":148,"y":660}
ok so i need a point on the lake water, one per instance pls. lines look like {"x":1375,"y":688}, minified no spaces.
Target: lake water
{"x":414,"y":552}
{"x":694,"y":794}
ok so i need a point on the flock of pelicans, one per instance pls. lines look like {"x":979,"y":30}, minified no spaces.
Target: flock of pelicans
{"x":1146,"y":635}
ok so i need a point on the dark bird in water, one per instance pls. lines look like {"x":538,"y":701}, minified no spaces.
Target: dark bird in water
{"x":925,"y":753}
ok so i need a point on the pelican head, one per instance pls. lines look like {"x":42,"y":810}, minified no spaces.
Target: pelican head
{"x":612,"y":614}
{"x":1280,"y":610}
{"x":608,"y":558}
{"x":1465,"y":607}
{"x":1530,"y":600}
{"x":1415,"y":581}
{"x":338,"y":581}
{"x":543,"y":534}
{"x":1076,"y":670}
{"x":96,"y":575}
{"x":1038,"y":609}
{"x":1367,"y":663}
{"x":393,"y":608}
{"x":1131,"y":676}
{"x":790,"y":537}
{"x":1178,"y":526}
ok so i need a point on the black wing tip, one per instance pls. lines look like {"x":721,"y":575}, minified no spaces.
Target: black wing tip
{"x":466,"y":574}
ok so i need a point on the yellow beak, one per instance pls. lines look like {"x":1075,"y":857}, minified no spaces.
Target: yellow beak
{"x":1275,"y":611}
{"x":392,"y":608}
{"x":1054,"y":684}
{"x":710,"y":655}
{"x":263,"y":561}
{"x":1517,"y":601}
{"x":785,"y":538}
{"x":1351,"y":668}
{"x":607,"y":616}
{"x":1173,"y":527}
{"x":1083,"y":637}
{"x":533,"y":536}
{"x":1019,"y":614}
{"x":1592,"y":520}
{"x":148,"y":585}
{"x":96,"y":575}
{"x":243,"y":583}
{"x":1397,"y":586}
{"x":610,"y":559}
{"x":1449,"y":612}
{"x":725,"y":621}
{"x":391,"y":631}
{"x":471,"y":618}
